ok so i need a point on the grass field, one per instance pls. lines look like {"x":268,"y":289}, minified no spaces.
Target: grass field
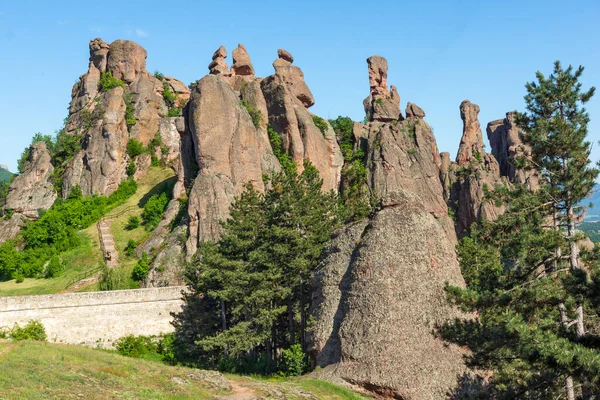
{"x":87,"y":256}
{"x":36,"y":370}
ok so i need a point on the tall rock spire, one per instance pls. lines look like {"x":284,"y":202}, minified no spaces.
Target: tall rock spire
{"x":382,"y":104}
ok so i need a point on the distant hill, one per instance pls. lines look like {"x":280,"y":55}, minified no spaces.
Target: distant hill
{"x":5,"y":174}
{"x":593,"y":213}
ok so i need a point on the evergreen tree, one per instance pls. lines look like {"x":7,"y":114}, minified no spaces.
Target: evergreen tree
{"x":525,"y":275}
{"x":252,"y":287}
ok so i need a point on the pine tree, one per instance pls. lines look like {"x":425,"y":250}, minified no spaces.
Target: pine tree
{"x":524,"y":272}
{"x":255,"y":279}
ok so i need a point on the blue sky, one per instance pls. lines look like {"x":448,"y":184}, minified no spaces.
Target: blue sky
{"x":439,"y":52}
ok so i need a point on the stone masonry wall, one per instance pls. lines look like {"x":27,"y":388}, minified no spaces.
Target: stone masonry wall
{"x":95,"y":318}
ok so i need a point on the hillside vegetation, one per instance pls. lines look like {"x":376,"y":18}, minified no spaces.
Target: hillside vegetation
{"x":5,"y":175}
{"x":37,"y":370}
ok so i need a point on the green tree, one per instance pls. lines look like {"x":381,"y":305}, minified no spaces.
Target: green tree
{"x":255,"y":281}
{"x":526,"y":277}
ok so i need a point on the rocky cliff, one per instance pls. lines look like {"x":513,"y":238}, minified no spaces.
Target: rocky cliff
{"x":379,"y":292}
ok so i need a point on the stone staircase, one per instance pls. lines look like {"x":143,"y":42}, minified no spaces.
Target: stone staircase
{"x":107,"y":244}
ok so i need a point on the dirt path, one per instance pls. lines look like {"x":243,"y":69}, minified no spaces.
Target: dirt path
{"x":9,"y":348}
{"x":239,"y":392}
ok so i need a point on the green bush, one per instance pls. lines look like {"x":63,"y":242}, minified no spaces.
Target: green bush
{"x":277,"y":146}
{"x":131,"y":168}
{"x":115,"y":279}
{"x":130,"y":248}
{"x":129,"y":109}
{"x":132,"y":223}
{"x":55,"y":267}
{"x":108,"y":81}
{"x":153,"y":210}
{"x":34,"y":330}
{"x":174,"y":112}
{"x":135,"y":346}
{"x":321,"y":124}
{"x":134,"y":148}
{"x":141,"y":269}
{"x":293,"y":361}
{"x":169,"y":96}
{"x":159,"y":75}
{"x":255,"y":114}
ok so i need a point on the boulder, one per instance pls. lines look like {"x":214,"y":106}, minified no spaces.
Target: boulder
{"x":218,"y":65}
{"x":379,"y":297}
{"x":413,"y":111}
{"x":293,"y":78}
{"x":32,"y":190}
{"x":241,"y":61}
{"x":99,"y":54}
{"x":381,"y":105}
{"x":126,"y":60}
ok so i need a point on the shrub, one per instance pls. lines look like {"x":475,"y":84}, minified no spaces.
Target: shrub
{"x":55,"y":267}
{"x":141,"y":269}
{"x":169,"y":96}
{"x":159,"y":75}
{"x":134,"y":148}
{"x":131,"y":168}
{"x":135,"y":346}
{"x":115,"y":279}
{"x":174,"y":112}
{"x":153,"y":210}
{"x":129,"y":110}
{"x":108,"y":81}
{"x":255,"y":114}
{"x":131,"y":245}
{"x":293,"y":361}
{"x":132,"y":223}
{"x":34,"y":330}
{"x":321,"y":124}
{"x":277,"y":146}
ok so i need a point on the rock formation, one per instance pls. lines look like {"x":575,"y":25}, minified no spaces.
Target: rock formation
{"x":379,"y":292}
{"x":474,"y":172}
{"x":506,"y":145}
{"x":381,"y":105}
{"x":287,"y":99}
{"x":241,"y":61}
{"x":30,"y":191}
{"x":218,"y":64}
{"x":106,"y":120}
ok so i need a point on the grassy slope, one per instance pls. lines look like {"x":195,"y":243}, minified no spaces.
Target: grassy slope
{"x":87,"y":255}
{"x":35,"y":370}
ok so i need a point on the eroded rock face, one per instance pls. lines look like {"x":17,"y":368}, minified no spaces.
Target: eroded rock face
{"x":241,"y":61}
{"x":381,"y":105}
{"x":101,"y":165}
{"x":126,"y":60}
{"x":474,"y":171}
{"x":33,"y":190}
{"x":506,"y":145}
{"x":230,"y":153}
{"x":381,"y":298}
{"x":218,"y":65}
{"x":413,"y":111}
{"x":293,"y":78}
{"x":288,"y":116}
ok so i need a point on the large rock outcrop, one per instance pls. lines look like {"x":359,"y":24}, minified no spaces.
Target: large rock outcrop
{"x":507,"y":145}
{"x":474,"y":172}
{"x":287,"y":98}
{"x":107,"y":119}
{"x":30,"y":191}
{"x":230,"y":152}
{"x":379,"y":291}
{"x":379,"y":298}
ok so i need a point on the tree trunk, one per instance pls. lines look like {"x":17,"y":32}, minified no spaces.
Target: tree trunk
{"x":291,"y":322}
{"x":569,"y":380}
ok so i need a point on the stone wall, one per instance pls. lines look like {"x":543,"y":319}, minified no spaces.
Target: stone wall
{"x":96,"y":318}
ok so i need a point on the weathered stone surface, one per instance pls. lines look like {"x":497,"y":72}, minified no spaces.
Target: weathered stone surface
{"x":170,"y":130}
{"x":32,"y":190}
{"x":474,"y":170}
{"x":126,"y":60}
{"x":10,"y":228}
{"x":413,"y":111}
{"x":228,"y":152}
{"x":218,"y":65}
{"x":447,"y":175}
{"x":506,"y":145}
{"x":179,"y":88}
{"x":148,"y":106}
{"x":241,"y":61}
{"x":293,"y":78}
{"x":387,"y":304}
{"x":300,"y":136}
{"x":99,"y":54}
{"x":381,"y":105}
{"x":142,"y":164}
{"x":405,"y":157}
{"x":100,"y":166}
